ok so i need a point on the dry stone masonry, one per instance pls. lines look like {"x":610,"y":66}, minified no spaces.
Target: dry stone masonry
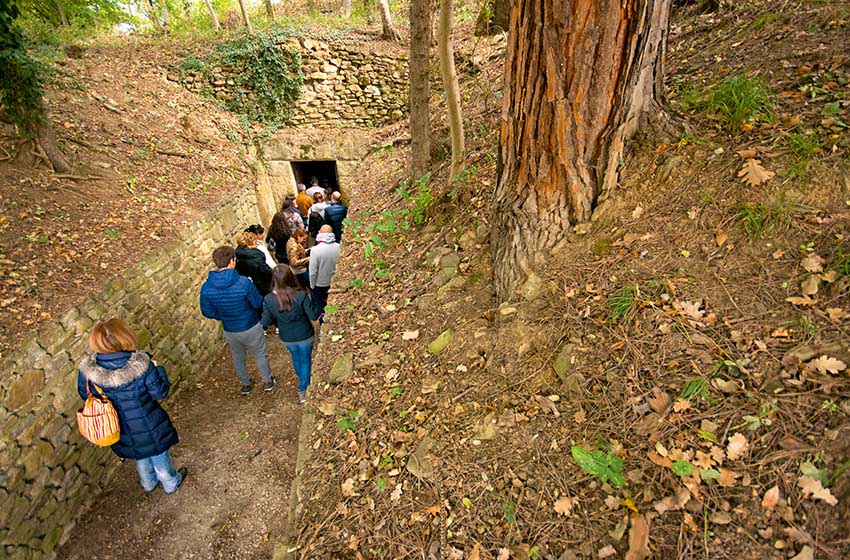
{"x":344,"y":85}
{"x":49,"y":475}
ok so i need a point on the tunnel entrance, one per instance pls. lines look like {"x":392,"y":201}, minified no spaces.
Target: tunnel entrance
{"x":323,"y":170}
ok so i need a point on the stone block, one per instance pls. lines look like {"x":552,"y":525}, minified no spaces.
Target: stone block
{"x":24,"y":389}
{"x":35,"y":457}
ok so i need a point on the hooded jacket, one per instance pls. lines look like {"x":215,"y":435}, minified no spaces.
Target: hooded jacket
{"x":323,"y":257}
{"x":232,"y":299}
{"x":133,"y":384}
{"x":251,"y":262}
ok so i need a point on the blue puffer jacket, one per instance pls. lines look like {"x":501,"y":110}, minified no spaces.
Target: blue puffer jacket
{"x":292,"y":325}
{"x":334,"y":216}
{"x":134,"y":385}
{"x":232,"y":299}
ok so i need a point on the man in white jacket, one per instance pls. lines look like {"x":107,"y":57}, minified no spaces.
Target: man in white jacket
{"x":323,"y":257}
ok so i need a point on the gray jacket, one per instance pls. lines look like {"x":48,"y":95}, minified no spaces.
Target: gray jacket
{"x":323,"y":257}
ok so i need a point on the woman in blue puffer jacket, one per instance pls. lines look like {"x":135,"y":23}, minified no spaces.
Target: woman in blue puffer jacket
{"x":134,"y":383}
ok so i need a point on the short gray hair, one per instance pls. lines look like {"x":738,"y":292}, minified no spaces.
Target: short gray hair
{"x":336,"y":196}
{"x":302,"y":187}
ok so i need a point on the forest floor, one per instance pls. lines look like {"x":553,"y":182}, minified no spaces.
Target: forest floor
{"x":240,"y":455}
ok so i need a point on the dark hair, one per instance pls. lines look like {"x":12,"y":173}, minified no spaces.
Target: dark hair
{"x":287,"y":205}
{"x":318,"y":197}
{"x":223,"y":255}
{"x":284,"y":286}
{"x":256,"y":229}
{"x":279,"y":228}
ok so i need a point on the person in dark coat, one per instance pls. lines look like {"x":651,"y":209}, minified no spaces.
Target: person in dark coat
{"x":335,"y":214}
{"x":134,"y":383}
{"x":251,"y":262}
{"x":279,"y":234}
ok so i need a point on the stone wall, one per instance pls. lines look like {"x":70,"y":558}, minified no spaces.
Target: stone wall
{"x":49,"y":475}
{"x":344,"y":85}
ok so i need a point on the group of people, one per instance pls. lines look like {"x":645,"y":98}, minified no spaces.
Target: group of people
{"x":281,"y":278}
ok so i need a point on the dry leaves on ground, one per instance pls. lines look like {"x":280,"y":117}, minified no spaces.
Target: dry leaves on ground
{"x":813,"y":487}
{"x":754,"y":174}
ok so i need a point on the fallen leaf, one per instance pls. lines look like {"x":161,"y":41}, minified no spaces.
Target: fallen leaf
{"x":797,"y":535}
{"x":809,"y":286}
{"x":728,"y":386}
{"x":806,"y":553}
{"x":801,"y":300}
{"x":703,"y":460}
{"x":728,"y":478}
{"x":825,"y":364}
{"x":673,"y":503}
{"x":476,"y":552}
{"x":410,"y":335}
{"x":638,"y":538}
{"x":689,"y":309}
{"x":753,"y":173}
{"x":737,"y":446}
{"x":606,"y":551}
{"x":658,"y":459}
{"x":718,"y":454}
{"x":580,"y":417}
{"x":681,"y":405}
{"x":720,"y":518}
{"x":637,"y":212}
{"x":813,"y":262}
{"x":564,"y":505}
{"x":504,"y":554}
{"x":770,"y":499}
{"x":748,"y":153}
{"x":829,"y":276}
{"x":348,"y":488}
{"x":546,"y":404}
{"x":813,"y":487}
{"x":720,"y":237}
{"x":659,"y":401}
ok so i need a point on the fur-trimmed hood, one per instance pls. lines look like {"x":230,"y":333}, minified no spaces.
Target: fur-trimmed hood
{"x":136,"y":366}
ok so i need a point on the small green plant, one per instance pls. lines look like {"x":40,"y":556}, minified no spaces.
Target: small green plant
{"x":830,"y":406}
{"x":331,"y":309}
{"x":395,"y":391}
{"x":508,"y":509}
{"x":348,"y":422}
{"x":739,"y":100}
{"x":113,"y":233}
{"x":604,"y":465}
{"x":806,"y":326}
{"x":356,"y":283}
{"x":381,"y":483}
{"x":695,"y":387}
{"x":758,"y":218}
{"x":386,"y":461}
{"x":683,"y":468}
{"x":804,"y":145}
{"x":730,"y":367}
{"x":622,"y":302}
{"x":840,"y":262}
{"x":422,"y":198}
{"x":807,"y":247}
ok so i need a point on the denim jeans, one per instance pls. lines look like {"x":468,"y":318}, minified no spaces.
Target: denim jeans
{"x":253,"y":339}
{"x":301,"y":361}
{"x":158,"y":468}
{"x":320,"y":300}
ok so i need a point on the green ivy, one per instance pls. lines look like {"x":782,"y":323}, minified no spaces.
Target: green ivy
{"x":20,"y":75}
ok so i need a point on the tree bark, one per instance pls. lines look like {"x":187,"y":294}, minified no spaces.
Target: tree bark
{"x":449,"y":75}
{"x":389,"y":33}
{"x":269,"y":9}
{"x":247,"y":21}
{"x":420,"y":42}
{"x":346,"y":9}
{"x":166,"y":17}
{"x":493,"y":18}
{"x":213,"y":16}
{"x":47,"y":140}
{"x":154,"y":18}
{"x":580,"y":78}
{"x":61,"y":10}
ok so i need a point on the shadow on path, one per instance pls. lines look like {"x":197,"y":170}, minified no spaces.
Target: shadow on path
{"x":240,"y":452}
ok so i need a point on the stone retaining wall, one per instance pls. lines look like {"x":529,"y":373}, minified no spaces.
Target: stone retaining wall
{"x":49,"y":475}
{"x":344,"y":85}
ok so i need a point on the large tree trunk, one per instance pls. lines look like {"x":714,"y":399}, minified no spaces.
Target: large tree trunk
{"x":420,"y":42}
{"x":449,"y":75}
{"x":47,"y":140}
{"x":247,"y":21}
{"x":389,"y":33}
{"x":269,"y":9}
{"x":493,"y":18}
{"x":216,"y":24}
{"x":61,"y":11}
{"x":580,"y":77}
{"x":345,"y":12}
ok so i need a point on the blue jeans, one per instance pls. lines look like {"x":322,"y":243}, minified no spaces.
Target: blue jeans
{"x":158,"y":469}
{"x":302,"y":356}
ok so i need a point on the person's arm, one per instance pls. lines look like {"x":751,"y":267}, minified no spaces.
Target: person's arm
{"x":157,"y":382}
{"x":313,"y":271}
{"x":310,"y":309}
{"x":208,"y":309}
{"x":81,"y":385}
{"x":254,"y":297}
{"x":268,"y":316}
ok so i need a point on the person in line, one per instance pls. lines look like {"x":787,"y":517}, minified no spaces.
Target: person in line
{"x":278,"y":236}
{"x":259,"y":232}
{"x":316,"y":216}
{"x":293,"y":218}
{"x":303,"y":201}
{"x":135,"y":384}
{"x":251,"y":262}
{"x":228,"y":297}
{"x":335,"y":214}
{"x":322,"y":267}
{"x":289,"y":306}
{"x":314,"y":188}
{"x":298,"y":258}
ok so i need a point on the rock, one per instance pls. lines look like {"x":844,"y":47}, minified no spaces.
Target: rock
{"x":532,"y":288}
{"x":342,"y":369}
{"x":35,"y":457}
{"x":449,"y":261}
{"x":467,"y":240}
{"x":486,"y":429}
{"x":564,"y":361}
{"x":441,"y":342}
{"x":24,"y":389}
{"x":418,"y":462}
{"x":506,"y":310}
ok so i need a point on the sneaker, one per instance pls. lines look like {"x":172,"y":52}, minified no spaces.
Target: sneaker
{"x":302,"y":397}
{"x":269,"y":385}
{"x":152,"y":489}
{"x":183,"y":472}
{"x":247,"y":388}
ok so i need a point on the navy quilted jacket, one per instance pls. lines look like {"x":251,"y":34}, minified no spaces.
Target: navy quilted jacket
{"x":335,"y":214}
{"x":134,"y":385}
{"x":232,"y":299}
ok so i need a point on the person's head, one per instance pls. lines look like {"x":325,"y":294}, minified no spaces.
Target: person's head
{"x":114,"y":335}
{"x":326,"y":229}
{"x":246,"y":239}
{"x":299,"y":235}
{"x":224,"y":256}
{"x":290,"y":198}
{"x":302,"y":187}
{"x":318,"y":197}
{"x":257,"y":230}
{"x":287,"y":205}
{"x":284,"y":286}
{"x":336,"y":197}
{"x":314,"y":182}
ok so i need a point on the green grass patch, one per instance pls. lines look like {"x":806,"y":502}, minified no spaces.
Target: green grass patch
{"x":622,"y":302}
{"x":757,"y":219}
{"x":735,"y":101}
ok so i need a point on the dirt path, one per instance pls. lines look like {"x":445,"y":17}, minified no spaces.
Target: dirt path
{"x":240,"y":452}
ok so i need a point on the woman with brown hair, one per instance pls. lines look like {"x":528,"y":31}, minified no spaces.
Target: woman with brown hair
{"x":135,"y":384}
{"x":279,"y":234}
{"x":251,"y":262}
{"x":298,"y":257}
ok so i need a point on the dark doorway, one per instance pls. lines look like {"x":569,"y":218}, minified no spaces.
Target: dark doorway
{"x":324,"y":171}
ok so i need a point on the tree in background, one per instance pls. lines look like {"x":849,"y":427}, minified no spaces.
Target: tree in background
{"x":579,"y":82}
{"x":493,"y":18}
{"x":213,"y":16}
{"x":389,"y":32}
{"x":420,"y":41}
{"x":445,"y":48}
{"x":269,"y":8}
{"x":21,"y":89}
{"x":345,"y":11}
{"x":247,"y":21}
{"x":61,"y":11}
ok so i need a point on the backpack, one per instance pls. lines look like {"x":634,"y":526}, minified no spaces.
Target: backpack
{"x":315,"y":224}
{"x":98,"y":420}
